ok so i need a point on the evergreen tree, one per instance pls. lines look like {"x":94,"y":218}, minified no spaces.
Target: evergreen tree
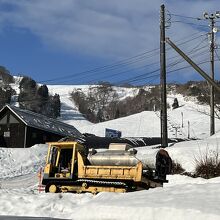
{"x":37,"y":99}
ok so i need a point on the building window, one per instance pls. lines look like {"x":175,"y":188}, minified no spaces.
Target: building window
{"x":7,"y":134}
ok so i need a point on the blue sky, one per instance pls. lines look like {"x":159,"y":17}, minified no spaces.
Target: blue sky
{"x":81,"y":42}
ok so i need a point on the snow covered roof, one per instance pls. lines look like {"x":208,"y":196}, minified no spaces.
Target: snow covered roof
{"x":42,"y":122}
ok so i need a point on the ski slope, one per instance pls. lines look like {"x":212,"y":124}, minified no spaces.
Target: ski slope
{"x":180,"y":199}
{"x":69,"y":112}
{"x":190,"y":120}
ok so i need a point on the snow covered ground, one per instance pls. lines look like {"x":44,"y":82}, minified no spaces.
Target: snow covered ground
{"x":189,"y":120}
{"x":69,"y":112}
{"x":180,"y":199}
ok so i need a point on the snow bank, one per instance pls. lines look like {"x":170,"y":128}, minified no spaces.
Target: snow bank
{"x":21,"y":161}
{"x":198,"y":200}
{"x":182,"y":198}
{"x":186,"y":153}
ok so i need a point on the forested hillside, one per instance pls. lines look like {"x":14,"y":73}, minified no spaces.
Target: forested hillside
{"x":6,"y":90}
{"x":31,"y":96}
{"x":37,"y":98}
{"x":102,"y":102}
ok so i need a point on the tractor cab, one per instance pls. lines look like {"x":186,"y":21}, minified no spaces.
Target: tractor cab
{"x":61,"y":160}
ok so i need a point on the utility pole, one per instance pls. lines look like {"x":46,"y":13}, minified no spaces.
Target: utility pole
{"x":163,"y":114}
{"x":212,"y":18}
{"x":212,"y":92}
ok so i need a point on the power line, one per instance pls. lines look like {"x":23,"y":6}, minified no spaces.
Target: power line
{"x":111,"y":68}
{"x":195,"y":49}
{"x":192,"y":35}
{"x":121,"y":73}
{"x":169,"y":65}
{"x":193,"y":52}
{"x":183,"y":16}
{"x":120,"y":65}
{"x":123,"y":82}
{"x":146,"y":76}
{"x":86,"y":74}
{"x":188,"y":66}
{"x":191,"y":23}
{"x":115,"y":68}
{"x":189,"y":40}
{"x":196,"y":54}
{"x":121,"y":62}
{"x":217,"y":55}
{"x":138,"y":58}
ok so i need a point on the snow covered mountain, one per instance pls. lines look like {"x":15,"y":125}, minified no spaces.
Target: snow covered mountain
{"x":182,"y":198}
{"x":189,"y":120}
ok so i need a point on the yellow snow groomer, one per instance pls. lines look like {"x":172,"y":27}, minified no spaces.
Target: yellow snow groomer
{"x":71,"y":168}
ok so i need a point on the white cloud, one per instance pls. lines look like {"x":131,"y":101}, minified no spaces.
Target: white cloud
{"x":116,"y":28}
{"x":113,"y":28}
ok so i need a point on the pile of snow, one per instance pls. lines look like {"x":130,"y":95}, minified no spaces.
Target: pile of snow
{"x":188,"y":152}
{"x":182,"y":198}
{"x":21,"y":161}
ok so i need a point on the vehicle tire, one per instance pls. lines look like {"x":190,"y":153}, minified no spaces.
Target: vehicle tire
{"x":51,"y":188}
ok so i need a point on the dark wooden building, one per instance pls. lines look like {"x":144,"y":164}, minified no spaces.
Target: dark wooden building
{"x":21,"y":128}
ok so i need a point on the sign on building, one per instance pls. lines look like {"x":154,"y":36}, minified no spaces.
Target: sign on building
{"x":112,"y":133}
